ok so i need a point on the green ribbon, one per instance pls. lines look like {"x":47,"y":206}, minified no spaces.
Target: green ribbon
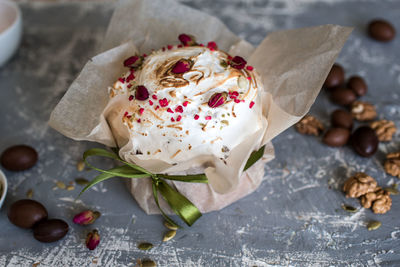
{"x":188,"y":212}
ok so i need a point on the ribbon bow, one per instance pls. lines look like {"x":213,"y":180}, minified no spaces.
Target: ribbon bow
{"x":188,"y":212}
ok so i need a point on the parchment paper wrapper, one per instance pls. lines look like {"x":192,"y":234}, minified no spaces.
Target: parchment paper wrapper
{"x":293,"y":65}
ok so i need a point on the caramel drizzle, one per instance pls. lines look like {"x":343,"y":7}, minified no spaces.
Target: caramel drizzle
{"x":176,"y":153}
{"x":175,"y":126}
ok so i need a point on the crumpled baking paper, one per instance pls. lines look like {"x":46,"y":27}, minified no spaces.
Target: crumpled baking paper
{"x":293,"y":65}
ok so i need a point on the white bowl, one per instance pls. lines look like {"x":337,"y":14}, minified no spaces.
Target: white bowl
{"x":10,"y":29}
{"x":3,"y":190}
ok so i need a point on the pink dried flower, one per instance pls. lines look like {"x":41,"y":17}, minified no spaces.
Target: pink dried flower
{"x":212,"y":45}
{"x":130,"y":77}
{"x":196,"y":117}
{"x":249,"y":78}
{"x":187,"y":39}
{"x":92,"y":239}
{"x":208,"y":118}
{"x":238,"y":62}
{"x":250,"y":68}
{"x":141,"y":110}
{"x":154,"y":97}
{"x":150,"y":102}
{"x":251,"y":104}
{"x":185,"y":103}
{"x":181,"y":66}
{"x":170,"y":110}
{"x":179,"y":109}
{"x":237,"y":100}
{"x":172,"y":119}
{"x":86,"y":217}
{"x":131,"y":61}
{"x":163,"y":102}
{"x":178,"y":118}
{"x":122,"y":80}
{"x":169,"y":47}
{"x":141,"y":93}
{"x":130,"y":97}
{"x":217,"y":100}
{"x":233,"y":94}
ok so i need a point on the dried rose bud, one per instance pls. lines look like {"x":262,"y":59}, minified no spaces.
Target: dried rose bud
{"x":141,"y":93}
{"x":130,"y":61}
{"x":238,"y":62}
{"x":92,"y":239}
{"x":181,"y":66}
{"x":212,"y":45}
{"x":187,"y":39}
{"x":217,"y":100}
{"x":86,"y":217}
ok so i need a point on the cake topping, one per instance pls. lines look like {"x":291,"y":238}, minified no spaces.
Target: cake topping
{"x":141,"y":93}
{"x":181,"y":66}
{"x":238,"y":63}
{"x":186,"y":39}
{"x":217,"y":100}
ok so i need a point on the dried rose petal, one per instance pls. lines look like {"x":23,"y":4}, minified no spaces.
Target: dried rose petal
{"x":178,"y":118}
{"x":130,"y":61}
{"x":251,"y":104}
{"x":92,"y":240}
{"x":141,"y":93}
{"x":238,"y":62}
{"x":187,"y":39}
{"x":212,"y":45}
{"x":181,"y":66}
{"x":179,"y":109}
{"x":208,"y":118}
{"x":217,"y":100}
{"x":86,"y":217}
{"x":196,"y":117}
{"x":163,"y":102}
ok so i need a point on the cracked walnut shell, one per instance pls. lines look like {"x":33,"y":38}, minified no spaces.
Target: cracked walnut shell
{"x":392,"y":164}
{"x":384,"y":129}
{"x":363,"y":111}
{"x":309,"y":125}
{"x":359,"y":184}
{"x":379,"y":200}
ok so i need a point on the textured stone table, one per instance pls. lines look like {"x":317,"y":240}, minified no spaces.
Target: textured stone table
{"x":293,"y":219}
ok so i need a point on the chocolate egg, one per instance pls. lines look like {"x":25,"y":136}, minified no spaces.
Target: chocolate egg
{"x":50,"y":230}
{"x":341,"y":118}
{"x":358,"y":85}
{"x":19,"y":158}
{"x":26,"y":213}
{"x":335,"y":77}
{"x":364,"y":141}
{"x":381,"y":30}
{"x":343,"y":96}
{"x":336,"y":137}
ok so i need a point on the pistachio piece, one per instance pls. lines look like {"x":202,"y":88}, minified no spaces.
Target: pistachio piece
{"x":145,"y":246}
{"x":349,"y":208}
{"x":373,"y":225}
{"x":169,"y":235}
{"x":170,"y":226}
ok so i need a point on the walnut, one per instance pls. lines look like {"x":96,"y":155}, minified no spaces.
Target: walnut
{"x":379,"y":200}
{"x":309,"y":125}
{"x":363,"y":111}
{"x":359,"y":185}
{"x":384,"y":129}
{"x":392,"y":164}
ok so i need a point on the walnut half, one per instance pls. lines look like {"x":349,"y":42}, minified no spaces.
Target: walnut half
{"x":379,"y":200}
{"x":363,"y":111}
{"x":309,"y":125}
{"x":392,"y":164}
{"x":359,"y":184}
{"x":384,"y":129}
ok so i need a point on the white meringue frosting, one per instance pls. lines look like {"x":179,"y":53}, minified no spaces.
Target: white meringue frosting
{"x":188,"y":127}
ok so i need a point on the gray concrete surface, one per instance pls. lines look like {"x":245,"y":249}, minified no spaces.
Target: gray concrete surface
{"x":293,"y":219}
